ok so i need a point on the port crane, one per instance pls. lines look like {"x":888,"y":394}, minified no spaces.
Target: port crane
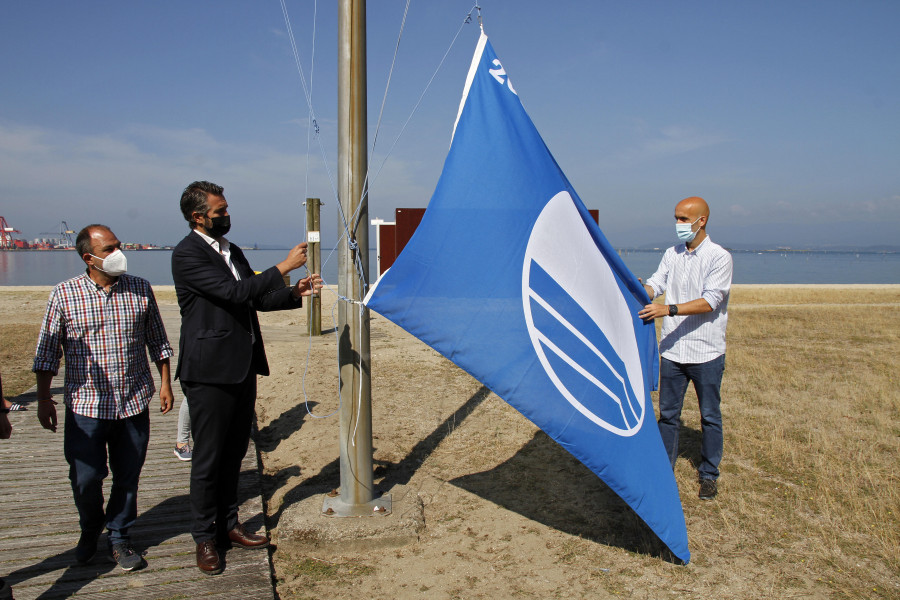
{"x":6,"y":231}
{"x":62,"y":239}
{"x":65,"y":236}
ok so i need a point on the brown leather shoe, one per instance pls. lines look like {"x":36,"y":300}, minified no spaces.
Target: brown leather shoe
{"x":242,"y":537}
{"x":208,"y":559}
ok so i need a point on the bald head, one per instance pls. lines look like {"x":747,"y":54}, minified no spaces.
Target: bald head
{"x":694,"y":206}
{"x":693,"y":211}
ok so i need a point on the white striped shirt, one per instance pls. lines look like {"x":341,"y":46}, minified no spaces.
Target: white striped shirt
{"x":685,"y":275}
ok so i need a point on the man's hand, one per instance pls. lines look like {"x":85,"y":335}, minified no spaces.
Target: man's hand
{"x":5,"y":427}
{"x":166,"y":398}
{"x":654,"y":311}
{"x":296,"y":258}
{"x":307,"y":286}
{"x":47,"y":414}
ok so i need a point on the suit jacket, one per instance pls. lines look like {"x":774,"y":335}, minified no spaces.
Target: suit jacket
{"x":218,"y":312}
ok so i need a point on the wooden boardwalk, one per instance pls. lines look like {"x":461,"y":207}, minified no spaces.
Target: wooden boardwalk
{"x":39,"y":522}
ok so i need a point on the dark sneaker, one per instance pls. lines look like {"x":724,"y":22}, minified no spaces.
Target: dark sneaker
{"x":5,"y":591}
{"x":87,"y":547}
{"x":708,"y":489}
{"x":124,"y":555}
{"x":184,"y":453}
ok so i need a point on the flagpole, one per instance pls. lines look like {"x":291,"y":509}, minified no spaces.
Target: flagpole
{"x":357,"y":494}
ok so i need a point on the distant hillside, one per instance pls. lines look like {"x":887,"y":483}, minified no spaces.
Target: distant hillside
{"x":752,"y":248}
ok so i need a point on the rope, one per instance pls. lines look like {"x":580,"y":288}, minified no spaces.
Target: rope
{"x":313,"y":133}
{"x":390,"y":76}
{"x":314,"y":125}
{"x":466,"y":20}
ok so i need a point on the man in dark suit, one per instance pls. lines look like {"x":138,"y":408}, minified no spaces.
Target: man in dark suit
{"x":220,"y":354}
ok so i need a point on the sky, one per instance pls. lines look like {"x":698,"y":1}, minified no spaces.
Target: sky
{"x":784,"y":115}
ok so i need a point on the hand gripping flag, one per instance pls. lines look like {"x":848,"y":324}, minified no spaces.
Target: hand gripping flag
{"x":509,"y":277}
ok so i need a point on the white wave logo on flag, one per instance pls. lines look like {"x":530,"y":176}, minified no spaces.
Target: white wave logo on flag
{"x":578,"y":321}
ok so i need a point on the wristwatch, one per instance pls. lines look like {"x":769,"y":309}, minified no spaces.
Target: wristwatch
{"x":673,"y":310}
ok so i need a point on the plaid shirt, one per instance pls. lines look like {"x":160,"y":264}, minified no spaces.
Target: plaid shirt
{"x":103,"y":336}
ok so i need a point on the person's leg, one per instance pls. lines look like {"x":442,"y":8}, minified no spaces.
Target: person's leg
{"x":183,"y":449}
{"x":127,"y":451}
{"x":233,"y":454}
{"x":673,"y":384}
{"x":707,"y":378}
{"x":184,"y":424}
{"x":211,"y":408}
{"x":84,"y":446}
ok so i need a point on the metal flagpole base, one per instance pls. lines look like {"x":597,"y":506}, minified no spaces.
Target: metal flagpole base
{"x":335,"y":507}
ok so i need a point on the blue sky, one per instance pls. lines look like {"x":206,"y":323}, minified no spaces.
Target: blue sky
{"x":784,"y":115}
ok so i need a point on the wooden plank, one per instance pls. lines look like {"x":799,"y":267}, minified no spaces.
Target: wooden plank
{"x":39,"y":528}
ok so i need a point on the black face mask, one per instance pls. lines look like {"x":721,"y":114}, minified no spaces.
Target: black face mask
{"x":220,"y":226}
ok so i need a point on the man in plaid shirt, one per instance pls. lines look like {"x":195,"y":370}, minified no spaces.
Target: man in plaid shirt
{"x":102,"y":321}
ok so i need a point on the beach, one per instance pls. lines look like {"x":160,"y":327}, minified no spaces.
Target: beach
{"x":487,"y":506}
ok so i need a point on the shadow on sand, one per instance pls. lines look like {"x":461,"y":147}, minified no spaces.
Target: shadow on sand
{"x":546,"y":484}
{"x":541,"y":481}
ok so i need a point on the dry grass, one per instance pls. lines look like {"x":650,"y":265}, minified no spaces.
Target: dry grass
{"x":812,"y":421}
{"x":20,"y":322}
{"x":16,"y":357}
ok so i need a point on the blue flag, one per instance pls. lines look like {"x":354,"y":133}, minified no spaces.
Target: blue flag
{"x":509,"y":277}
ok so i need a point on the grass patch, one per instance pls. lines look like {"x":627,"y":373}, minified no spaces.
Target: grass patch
{"x":299,"y":579}
{"x":313,"y":570}
{"x":17,"y":356}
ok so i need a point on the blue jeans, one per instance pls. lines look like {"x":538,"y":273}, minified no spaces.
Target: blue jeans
{"x":85,"y":444}
{"x":673,"y":381}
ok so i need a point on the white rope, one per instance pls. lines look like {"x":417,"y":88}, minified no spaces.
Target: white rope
{"x":365,"y":192}
{"x":313,"y":133}
{"x":390,"y":75}
{"x":314,"y":126}
{"x":362,"y":310}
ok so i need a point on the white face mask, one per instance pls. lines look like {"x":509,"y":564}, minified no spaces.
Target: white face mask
{"x":685,"y":232}
{"x":114,"y":264}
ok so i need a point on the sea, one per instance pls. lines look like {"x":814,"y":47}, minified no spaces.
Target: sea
{"x":49,"y":267}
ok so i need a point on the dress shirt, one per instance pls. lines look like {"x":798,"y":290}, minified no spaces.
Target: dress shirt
{"x":223,"y":247}
{"x":103,"y":335}
{"x":685,"y":275}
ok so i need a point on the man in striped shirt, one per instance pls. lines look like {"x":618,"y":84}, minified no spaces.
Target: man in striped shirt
{"x":696,"y":278}
{"x":102,"y":321}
